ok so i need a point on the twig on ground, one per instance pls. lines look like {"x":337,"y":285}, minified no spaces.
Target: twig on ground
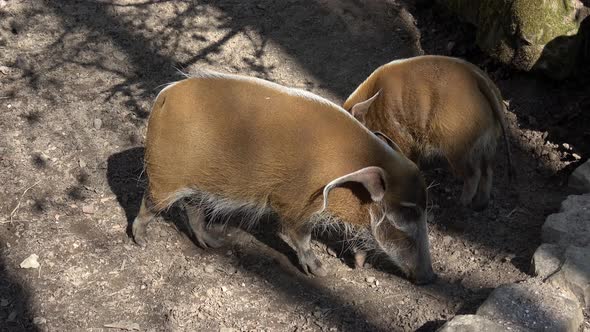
{"x":512,"y":212}
{"x":15,"y":210}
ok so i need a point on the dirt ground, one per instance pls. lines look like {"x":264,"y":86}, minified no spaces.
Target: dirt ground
{"x":77,"y":80}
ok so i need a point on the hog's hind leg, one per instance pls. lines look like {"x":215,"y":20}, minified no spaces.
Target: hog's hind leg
{"x":144,"y":217}
{"x":484,"y":189}
{"x":471,"y":179}
{"x":198,"y":225}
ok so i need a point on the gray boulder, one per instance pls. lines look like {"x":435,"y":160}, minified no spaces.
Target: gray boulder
{"x":547,"y":260}
{"x":566,"y":268}
{"x":571,"y":226}
{"x":533,"y":305}
{"x":543,"y":35}
{"x":580,"y":178}
{"x":474,"y":323}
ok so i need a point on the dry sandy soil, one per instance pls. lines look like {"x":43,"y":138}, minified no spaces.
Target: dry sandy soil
{"x":77,"y":79}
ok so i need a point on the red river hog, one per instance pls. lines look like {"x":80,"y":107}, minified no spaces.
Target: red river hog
{"x":438,"y":107}
{"x":225,"y":144}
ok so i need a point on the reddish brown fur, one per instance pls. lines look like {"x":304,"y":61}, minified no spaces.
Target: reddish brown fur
{"x":281,"y":150}
{"x":248,"y":140}
{"x":436,"y":105}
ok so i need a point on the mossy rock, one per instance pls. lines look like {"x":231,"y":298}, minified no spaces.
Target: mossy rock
{"x":528,"y":34}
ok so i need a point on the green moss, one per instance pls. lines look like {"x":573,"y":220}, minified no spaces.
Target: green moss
{"x":527,"y":34}
{"x":542,"y":20}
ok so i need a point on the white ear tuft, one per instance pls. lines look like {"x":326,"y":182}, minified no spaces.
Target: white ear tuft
{"x":359,"y":110}
{"x":372,"y":178}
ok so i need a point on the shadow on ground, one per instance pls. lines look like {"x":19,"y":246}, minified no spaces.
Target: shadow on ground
{"x":15,"y":303}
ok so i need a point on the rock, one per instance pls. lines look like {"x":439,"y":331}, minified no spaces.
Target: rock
{"x":547,"y":260}
{"x":227,"y":329}
{"x":579,"y":180}
{"x":331,"y":252}
{"x":30,"y":262}
{"x":575,"y":273}
{"x":474,"y":323}
{"x":450,"y":46}
{"x":82,"y":163}
{"x":39,"y":320}
{"x":123,"y":325}
{"x":430,"y":217}
{"x":543,"y":35}
{"x":570,"y":226}
{"x":370,"y":280}
{"x":533,"y":305}
{"x":88,"y":209}
{"x":97,"y":123}
{"x":209,"y":269}
{"x":4,"y":70}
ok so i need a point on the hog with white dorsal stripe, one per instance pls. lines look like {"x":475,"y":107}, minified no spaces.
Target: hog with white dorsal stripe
{"x":232,"y":144}
{"x":437,"y":106}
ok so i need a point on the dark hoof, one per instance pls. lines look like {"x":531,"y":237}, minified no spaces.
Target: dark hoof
{"x":426,"y":279}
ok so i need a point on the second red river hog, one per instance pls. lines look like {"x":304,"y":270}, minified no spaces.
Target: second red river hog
{"x":438,"y":106}
{"x":225,"y":143}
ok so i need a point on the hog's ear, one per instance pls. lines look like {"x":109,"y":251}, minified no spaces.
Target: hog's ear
{"x":388,"y":140}
{"x":372,"y":178}
{"x":359,"y":110}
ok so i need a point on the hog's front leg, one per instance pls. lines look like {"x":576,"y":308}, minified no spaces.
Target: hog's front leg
{"x":300,"y":238}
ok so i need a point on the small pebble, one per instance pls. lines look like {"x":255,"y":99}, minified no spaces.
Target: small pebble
{"x":30,"y":262}
{"x":88,"y":209}
{"x":39,"y":320}
{"x":82,"y":163}
{"x":97,"y":124}
{"x":209,"y":269}
{"x":331,"y":252}
{"x":227,"y":329}
{"x":223,"y":289}
{"x":370,"y":280}
{"x":450,"y":46}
